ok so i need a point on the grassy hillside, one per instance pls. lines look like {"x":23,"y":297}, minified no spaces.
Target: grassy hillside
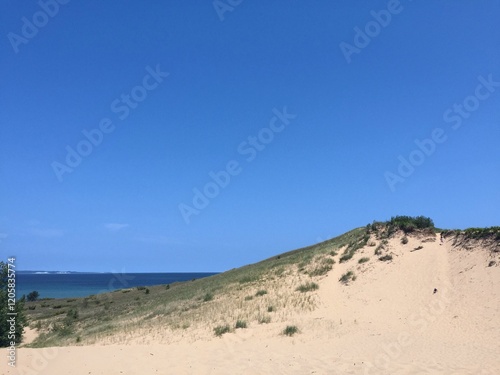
{"x":180,"y":305}
{"x":267,"y":291}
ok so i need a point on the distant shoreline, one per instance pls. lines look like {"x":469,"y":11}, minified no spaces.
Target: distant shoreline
{"x":57,"y":284}
{"x":107,"y":272}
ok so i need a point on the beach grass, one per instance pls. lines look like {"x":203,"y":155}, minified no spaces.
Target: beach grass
{"x":272,"y":290}
{"x":186,"y":305}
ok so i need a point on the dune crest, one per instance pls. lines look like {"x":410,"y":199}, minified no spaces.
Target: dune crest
{"x":416,"y":303}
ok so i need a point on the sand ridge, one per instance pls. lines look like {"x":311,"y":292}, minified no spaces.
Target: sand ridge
{"x":387,"y":321}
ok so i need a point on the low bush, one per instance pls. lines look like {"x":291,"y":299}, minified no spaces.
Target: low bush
{"x":346,"y":257}
{"x":307,"y":287}
{"x":290,"y":330}
{"x":408,"y":223}
{"x":346,"y":277}
{"x":385,"y":258}
{"x":248,"y":279}
{"x":240,"y":324}
{"x":321,"y":270}
{"x":220,"y":330}
{"x":32,"y":296}
{"x":208,"y":297}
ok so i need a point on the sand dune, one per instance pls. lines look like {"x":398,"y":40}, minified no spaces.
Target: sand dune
{"x":387,"y":321}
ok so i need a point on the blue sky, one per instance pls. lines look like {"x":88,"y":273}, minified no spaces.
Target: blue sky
{"x":312,"y":110}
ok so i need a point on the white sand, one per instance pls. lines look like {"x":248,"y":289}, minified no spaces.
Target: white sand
{"x":387,"y":321}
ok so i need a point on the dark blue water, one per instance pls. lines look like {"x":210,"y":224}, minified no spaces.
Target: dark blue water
{"x":84,"y":284}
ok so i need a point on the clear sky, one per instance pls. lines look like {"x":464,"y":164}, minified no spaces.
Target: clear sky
{"x":286,"y":122}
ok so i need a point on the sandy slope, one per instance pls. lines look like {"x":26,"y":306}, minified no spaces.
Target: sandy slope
{"x":387,"y":321}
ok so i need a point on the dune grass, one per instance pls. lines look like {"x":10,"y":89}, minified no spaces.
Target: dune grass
{"x":208,"y":303}
{"x":385,"y":258}
{"x":347,"y":277}
{"x":290,"y":330}
{"x":307,"y":287}
{"x":220,"y":330}
{"x":240,"y":324}
{"x":189,"y":305}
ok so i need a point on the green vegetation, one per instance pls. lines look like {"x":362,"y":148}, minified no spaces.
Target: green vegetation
{"x":6,"y":336}
{"x":408,"y":223}
{"x":290,"y":330}
{"x":260,"y":293}
{"x":347,"y":277}
{"x":280,"y":271}
{"x":307,"y":287}
{"x":363,"y":260}
{"x":72,"y":315}
{"x":354,"y":246}
{"x":404,"y":240}
{"x":475,"y":233}
{"x":220,"y":330}
{"x":318,"y":266}
{"x":248,"y":279}
{"x":321,"y":270}
{"x":107,"y":313}
{"x":208,"y":297}
{"x":418,"y":248}
{"x":240,"y":324}
{"x":67,"y":326}
{"x":32,"y":296}
{"x":179,"y":304}
{"x":329,"y":261}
